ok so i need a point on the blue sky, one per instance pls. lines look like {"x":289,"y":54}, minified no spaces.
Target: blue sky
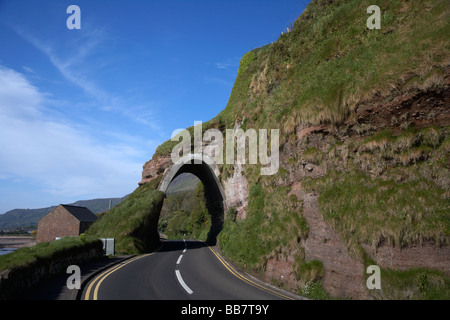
{"x":82,"y":110}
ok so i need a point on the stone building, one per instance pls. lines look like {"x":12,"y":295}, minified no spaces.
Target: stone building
{"x":64,"y":221}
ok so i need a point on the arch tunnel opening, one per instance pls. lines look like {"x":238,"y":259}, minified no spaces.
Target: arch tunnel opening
{"x":213,"y":193}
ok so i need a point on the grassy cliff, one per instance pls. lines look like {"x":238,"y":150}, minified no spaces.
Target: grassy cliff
{"x":330,"y":61}
{"x":133,"y":223}
{"x":379,"y":102}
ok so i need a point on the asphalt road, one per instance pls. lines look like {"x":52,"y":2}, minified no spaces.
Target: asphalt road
{"x":179,"y":270}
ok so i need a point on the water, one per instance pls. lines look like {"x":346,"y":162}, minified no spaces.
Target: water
{"x":6,"y":250}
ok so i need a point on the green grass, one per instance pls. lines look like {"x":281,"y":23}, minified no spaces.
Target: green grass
{"x":330,"y":61}
{"x":392,"y":190}
{"x":187,"y":217}
{"x":373,"y":211}
{"x":413,"y":284}
{"x":314,"y":290}
{"x":272,"y":224}
{"x":312,"y":155}
{"x":318,"y":73}
{"x":133,"y":223}
{"x":24,"y":257}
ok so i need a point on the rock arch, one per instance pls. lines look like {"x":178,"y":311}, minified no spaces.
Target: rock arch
{"x":207,"y":171}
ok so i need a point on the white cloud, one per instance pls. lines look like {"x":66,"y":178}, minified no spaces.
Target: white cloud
{"x":58,"y":155}
{"x":222,"y":65}
{"x":230,"y":63}
{"x":73,"y":69}
{"x":18,"y":97}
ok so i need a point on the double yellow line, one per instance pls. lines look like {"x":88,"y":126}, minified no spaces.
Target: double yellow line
{"x":95,"y":284}
{"x":248,"y":281}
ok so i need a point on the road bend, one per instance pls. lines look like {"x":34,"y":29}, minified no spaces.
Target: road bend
{"x":179,"y":270}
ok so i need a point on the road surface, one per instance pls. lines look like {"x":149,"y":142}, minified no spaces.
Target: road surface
{"x":179,"y":270}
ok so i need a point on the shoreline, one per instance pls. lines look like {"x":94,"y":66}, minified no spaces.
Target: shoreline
{"x":16,"y":242}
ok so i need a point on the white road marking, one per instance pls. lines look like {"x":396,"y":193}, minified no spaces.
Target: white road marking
{"x":178,"y":274}
{"x":180,"y":280}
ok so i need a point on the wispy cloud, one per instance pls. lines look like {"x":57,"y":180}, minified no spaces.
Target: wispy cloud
{"x":60,"y":157}
{"x":219,"y":81}
{"x":225,"y":72}
{"x":70,"y":67}
{"x":73,"y":68}
{"x":230,"y":63}
{"x":222,"y":65}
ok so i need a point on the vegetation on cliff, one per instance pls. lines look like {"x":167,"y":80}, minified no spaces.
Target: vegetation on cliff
{"x":404,"y":201}
{"x":330,"y":61}
{"x":187,"y":215}
{"x":380,"y":186}
{"x":133,"y":223}
{"x":384,"y":173}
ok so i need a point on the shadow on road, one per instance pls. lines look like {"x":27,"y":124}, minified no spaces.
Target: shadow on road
{"x":175,"y":245}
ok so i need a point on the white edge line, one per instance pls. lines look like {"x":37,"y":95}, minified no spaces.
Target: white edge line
{"x":180,"y":280}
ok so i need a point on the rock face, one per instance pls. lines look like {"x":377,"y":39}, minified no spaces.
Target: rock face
{"x":343,"y":272}
{"x":154,"y":168}
{"x":424,"y":255}
{"x":236,"y":191}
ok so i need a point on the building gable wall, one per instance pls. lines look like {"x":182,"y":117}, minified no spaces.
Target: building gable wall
{"x":58,"y":223}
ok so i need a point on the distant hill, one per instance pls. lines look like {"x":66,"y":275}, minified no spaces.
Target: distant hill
{"x":184,"y":182}
{"x":28,"y":218}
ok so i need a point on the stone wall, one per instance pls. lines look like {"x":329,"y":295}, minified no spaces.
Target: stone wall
{"x":16,"y":280}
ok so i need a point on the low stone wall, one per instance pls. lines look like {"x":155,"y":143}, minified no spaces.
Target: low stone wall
{"x":15,"y":280}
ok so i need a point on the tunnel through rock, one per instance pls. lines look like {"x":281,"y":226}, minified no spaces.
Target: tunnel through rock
{"x":206,"y":172}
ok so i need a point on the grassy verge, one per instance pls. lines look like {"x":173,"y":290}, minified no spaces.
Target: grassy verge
{"x":24,"y":257}
{"x":25,"y":267}
{"x":133,"y":223}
